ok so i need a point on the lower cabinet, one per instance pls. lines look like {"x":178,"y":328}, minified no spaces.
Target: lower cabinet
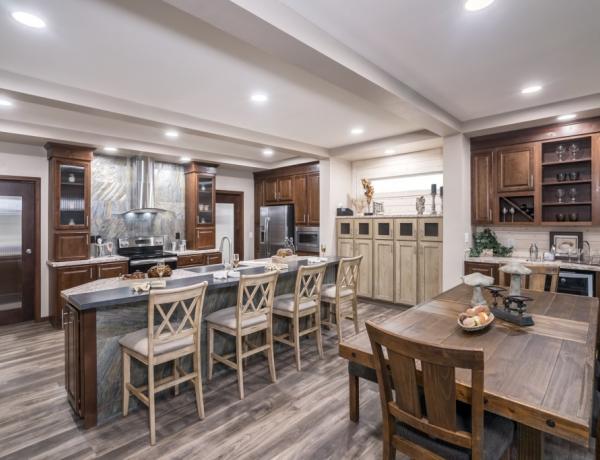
{"x":214,"y":258}
{"x":405,"y":291}
{"x":430,"y":269}
{"x":71,"y":326}
{"x":196,"y":260}
{"x":383,"y":270}
{"x":365,"y":279}
{"x":345,"y":247}
{"x":483,"y":268}
{"x":112,"y":270}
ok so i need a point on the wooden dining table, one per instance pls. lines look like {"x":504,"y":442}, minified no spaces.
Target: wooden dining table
{"x":540,"y":376}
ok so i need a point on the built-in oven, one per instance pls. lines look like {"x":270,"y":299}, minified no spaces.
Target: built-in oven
{"x":576,"y":282}
{"x":307,"y":239}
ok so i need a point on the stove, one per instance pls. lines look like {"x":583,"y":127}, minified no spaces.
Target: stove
{"x":144,"y":252}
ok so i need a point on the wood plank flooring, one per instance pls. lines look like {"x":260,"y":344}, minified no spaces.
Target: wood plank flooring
{"x":303,"y":416}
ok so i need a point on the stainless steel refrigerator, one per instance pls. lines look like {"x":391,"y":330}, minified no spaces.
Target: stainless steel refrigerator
{"x":276,"y":224}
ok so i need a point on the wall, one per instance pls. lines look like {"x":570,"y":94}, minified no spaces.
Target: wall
{"x":335,"y":180}
{"x":30,"y":161}
{"x":241,"y":181}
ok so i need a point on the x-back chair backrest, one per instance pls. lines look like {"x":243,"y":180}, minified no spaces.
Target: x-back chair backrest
{"x":308,"y":284}
{"x":255,"y":296}
{"x":178,"y":311}
{"x":348,"y":272}
{"x":396,"y":369}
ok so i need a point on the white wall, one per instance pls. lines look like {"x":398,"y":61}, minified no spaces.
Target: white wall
{"x":335,"y":182}
{"x":457,"y":206}
{"x":30,"y":161}
{"x":241,"y":181}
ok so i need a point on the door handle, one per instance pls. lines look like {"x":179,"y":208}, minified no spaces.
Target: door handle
{"x":27,"y":251}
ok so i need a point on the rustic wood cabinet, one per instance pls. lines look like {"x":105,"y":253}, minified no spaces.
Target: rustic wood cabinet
{"x":345,"y":247}
{"x":406,"y":275}
{"x":514,"y":166}
{"x":200,"y":199}
{"x":430,"y":269}
{"x":383,"y":270}
{"x":69,"y":196}
{"x":482,"y":188}
{"x":364,"y":247}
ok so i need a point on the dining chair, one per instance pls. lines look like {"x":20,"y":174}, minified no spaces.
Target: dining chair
{"x":536,"y":281}
{"x":173,"y":332}
{"x":427,"y":424}
{"x":304,"y":302}
{"x":344,"y":290}
{"x":252,"y":314}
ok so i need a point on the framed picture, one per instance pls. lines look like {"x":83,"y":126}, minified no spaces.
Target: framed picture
{"x":565,"y":241}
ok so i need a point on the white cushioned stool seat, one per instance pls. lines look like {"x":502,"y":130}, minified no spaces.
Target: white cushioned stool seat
{"x":226,"y":317}
{"x":138,"y":342}
{"x":285,"y":302}
{"x":329,"y":291}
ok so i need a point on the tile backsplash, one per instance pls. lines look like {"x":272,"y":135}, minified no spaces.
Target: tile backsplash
{"x":522,"y":237}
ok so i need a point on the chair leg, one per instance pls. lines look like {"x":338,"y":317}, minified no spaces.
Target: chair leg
{"x":151,"y":405}
{"x":355,"y":313}
{"x":176,"y":375}
{"x":239,"y":361}
{"x":211,"y":338}
{"x":126,"y":380}
{"x":297,"y":341}
{"x":338,"y":321}
{"x":271,"y":357}
{"x":389,"y":451}
{"x":354,"y":398}
{"x":318,"y":335}
{"x":198,"y":384}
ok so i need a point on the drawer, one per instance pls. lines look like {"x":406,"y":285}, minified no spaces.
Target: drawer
{"x":213,"y":258}
{"x":191,"y":260}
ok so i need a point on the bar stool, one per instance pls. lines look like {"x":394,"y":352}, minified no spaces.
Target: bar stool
{"x":344,"y":290}
{"x":253,"y":313}
{"x":304,"y":302}
{"x":177,"y":335}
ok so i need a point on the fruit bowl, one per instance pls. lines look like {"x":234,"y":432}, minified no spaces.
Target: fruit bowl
{"x":476,"y":318}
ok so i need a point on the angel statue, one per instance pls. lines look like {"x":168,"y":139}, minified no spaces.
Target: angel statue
{"x":420,"y":205}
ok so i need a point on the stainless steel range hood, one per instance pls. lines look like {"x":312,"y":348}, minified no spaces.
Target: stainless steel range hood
{"x":142,"y":186}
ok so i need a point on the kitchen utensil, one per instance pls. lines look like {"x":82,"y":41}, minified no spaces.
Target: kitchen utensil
{"x":512,"y":214}
{"x":504,"y":212}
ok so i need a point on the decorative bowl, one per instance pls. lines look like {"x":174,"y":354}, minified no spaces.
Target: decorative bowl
{"x":477,"y":328}
{"x":477,"y":318}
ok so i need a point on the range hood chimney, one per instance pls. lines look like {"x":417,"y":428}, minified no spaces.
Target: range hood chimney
{"x":142,"y":186}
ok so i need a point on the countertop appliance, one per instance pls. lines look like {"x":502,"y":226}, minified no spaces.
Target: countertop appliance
{"x":344,"y":212}
{"x":276,"y":224}
{"x":307,"y":239}
{"x":576,"y":282}
{"x":144,"y":252}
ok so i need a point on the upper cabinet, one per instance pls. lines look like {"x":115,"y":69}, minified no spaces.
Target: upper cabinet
{"x":278,"y":190}
{"x":514,"y":166}
{"x":69,"y":193}
{"x":200,"y":197}
{"x":313,"y":199}
{"x":482,"y":188}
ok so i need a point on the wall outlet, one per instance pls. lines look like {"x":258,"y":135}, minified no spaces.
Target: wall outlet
{"x":467,"y":237}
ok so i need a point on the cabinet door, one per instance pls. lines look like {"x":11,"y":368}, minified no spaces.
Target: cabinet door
{"x":112,"y":270}
{"x":431,"y":229}
{"x":205,"y":238}
{"x":285,"y":189}
{"x":345,"y":247}
{"x":270,"y":190}
{"x":405,"y":291}
{"x":71,"y":193}
{"x":365,"y":283}
{"x":483,"y":268}
{"x":383,"y":229}
{"x":405,"y":229}
{"x":363,"y":228}
{"x":66,"y":278}
{"x":344,"y":228}
{"x":482,"y":189}
{"x":383,"y":270}
{"x":214,"y":258}
{"x":71,"y":325}
{"x":313,"y":199}
{"x":191,"y":260}
{"x":430,"y":270}
{"x":515,"y":168}
{"x":300,"y":204}
{"x":71,"y":246}
{"x":205,"y":201}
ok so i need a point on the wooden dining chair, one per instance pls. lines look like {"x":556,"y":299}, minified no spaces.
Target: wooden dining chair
{"x":344,"y":290}
{"x":252,"y":314}
{"x":175,"y":334}
{"x":427,"y":424}
{"x":304,"y":302}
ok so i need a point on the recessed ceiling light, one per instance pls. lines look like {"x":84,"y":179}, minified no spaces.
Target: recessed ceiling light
{"x":267,"y":152}
{"x":185,"y":159}
{"x":28,"y":19}
{"x":259,"y":98}
{"x":172,"y":133}
{"x":531,"y":89}
{"x":389,"y":151}
{"x":111,"y":149}
{"x":5,"y":103}
{"x":356,"y":131}
{"x":476,"y":5}
{"x":566,"y":117}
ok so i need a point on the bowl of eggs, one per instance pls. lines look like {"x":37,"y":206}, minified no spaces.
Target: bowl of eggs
{"x":476,"y":318}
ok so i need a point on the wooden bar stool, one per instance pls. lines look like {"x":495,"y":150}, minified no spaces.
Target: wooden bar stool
{"x":253,"y":313}
{"x":177,"y":335}
{"x":304,"y":302}
{"x":344,"y":290}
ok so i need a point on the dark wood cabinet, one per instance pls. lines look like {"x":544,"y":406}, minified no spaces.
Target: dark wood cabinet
{"x":69,"y":194}
{"x":214,"y":258}
{"x":62,"y":278}
{"x":300,"y":199}
{"x":200,"y":198}
{"x":483,"y":268}
{"x":195,"y":260}
{"x":313,"y":199}
{"x":71,"y":326}
{"x":482,"y":188}
{"x":111,"y":270}
{"x":278,"y":190}
{"x":514,"y":166}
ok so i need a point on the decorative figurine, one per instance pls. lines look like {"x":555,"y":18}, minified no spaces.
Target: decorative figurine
{"x":369,"y":191}
{"x":433,"y":194}
{"x":477,"y":281}
{"x":420,"y":205}
{"x":516,"y":271}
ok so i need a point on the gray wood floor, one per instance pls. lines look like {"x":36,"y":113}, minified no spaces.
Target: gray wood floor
{"x":303,"y":416}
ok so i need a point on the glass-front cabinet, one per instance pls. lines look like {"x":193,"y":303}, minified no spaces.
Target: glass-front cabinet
{"x":72,"y":195}
{"x":206,"y":200}
{"x":200,"y":199}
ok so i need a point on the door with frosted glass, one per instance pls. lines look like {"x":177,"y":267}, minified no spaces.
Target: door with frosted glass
{"x":17,"y":251}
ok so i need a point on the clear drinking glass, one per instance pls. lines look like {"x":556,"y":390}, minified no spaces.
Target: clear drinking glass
{"x":560,"y":152}
{"x":236,"y":261}
{"x":573,"y":150}
{"x":323,"y":249}
{"x":573,"y":194}
{"x":560,"y":193}
{"x":161,"y":268}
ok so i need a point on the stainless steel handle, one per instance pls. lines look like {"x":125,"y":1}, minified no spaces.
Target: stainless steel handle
{"x":91,"y":276}
{"x":267,"y":236}
{"x":27,"y":251}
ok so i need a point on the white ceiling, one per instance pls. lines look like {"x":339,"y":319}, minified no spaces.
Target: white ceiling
{"x":472,"y":64}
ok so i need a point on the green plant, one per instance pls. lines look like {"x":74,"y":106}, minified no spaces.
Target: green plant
{"x":486,"y":239}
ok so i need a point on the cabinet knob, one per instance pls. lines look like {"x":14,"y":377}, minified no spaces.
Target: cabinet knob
{"x":27,"y":251}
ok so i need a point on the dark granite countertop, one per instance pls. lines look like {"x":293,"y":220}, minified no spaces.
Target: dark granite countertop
{"x":126,"y":295}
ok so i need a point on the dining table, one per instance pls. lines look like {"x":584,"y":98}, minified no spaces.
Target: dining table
{"x":540,"y":376}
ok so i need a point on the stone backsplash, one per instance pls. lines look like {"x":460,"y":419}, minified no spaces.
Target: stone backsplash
{"x":111,"y":188}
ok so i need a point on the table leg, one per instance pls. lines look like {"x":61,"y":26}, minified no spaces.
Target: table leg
{"x":353,"y":393}
{"x":530,"y":442}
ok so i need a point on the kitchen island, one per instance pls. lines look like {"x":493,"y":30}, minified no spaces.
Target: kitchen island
{"x":99,"y":313}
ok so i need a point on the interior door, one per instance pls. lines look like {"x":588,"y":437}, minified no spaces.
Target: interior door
{"x":17,"y":251}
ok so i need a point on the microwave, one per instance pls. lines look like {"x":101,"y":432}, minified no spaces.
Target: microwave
{"x":307,"y":239}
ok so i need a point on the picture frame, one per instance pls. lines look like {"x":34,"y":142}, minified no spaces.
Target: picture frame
{"x":564,"y":241}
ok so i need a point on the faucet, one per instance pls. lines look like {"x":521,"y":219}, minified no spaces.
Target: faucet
{"x":229,"y":254}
